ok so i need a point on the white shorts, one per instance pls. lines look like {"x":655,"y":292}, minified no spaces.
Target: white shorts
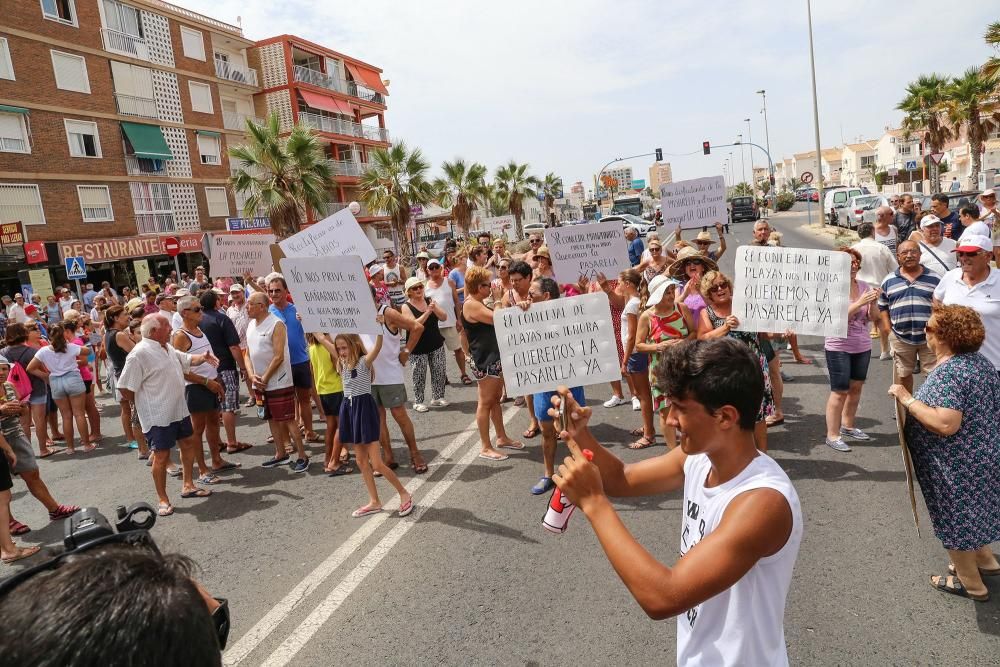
{"x":452,"y":339}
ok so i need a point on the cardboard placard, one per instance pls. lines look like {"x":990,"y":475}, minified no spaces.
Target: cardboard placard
{"x":331,"y":297}
{"x":693,"y":204}
{"x":334,"y":236}
{"x":901,"y":416}
{"x":41,"y":284}
{"x":577,"y":250}
{"x":235,"y":254}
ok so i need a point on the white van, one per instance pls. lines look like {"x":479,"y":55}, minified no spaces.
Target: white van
{"x":835,"y":202}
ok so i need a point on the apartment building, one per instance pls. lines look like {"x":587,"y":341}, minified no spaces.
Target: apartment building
{"x":115,"y":120}
{"x":660,"y":173}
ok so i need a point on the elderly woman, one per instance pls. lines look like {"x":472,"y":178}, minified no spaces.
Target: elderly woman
{"x":543,"y":264}
{"x":656,"y":263}
{"x":717,"y":320}
{"x":689,"y":269}
{"x":954,"y":441}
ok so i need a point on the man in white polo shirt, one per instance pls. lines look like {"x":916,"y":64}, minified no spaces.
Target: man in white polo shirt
{"x":977,"y":285}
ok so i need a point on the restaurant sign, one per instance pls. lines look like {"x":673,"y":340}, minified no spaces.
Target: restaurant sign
{"x":11,"y":233}
{"x":110,"y":250}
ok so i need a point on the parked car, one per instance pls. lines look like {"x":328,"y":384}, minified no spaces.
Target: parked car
{"x":436,"y":248}
{"x":628,"y":220}
{"x":863,"y":208}
{"x":744,"y":208}
{"x":533,"y":227}
{"x":814,"y":195}
{"x":835,"y":202}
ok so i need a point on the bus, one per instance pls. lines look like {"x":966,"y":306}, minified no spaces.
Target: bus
{"x":590,"y":212}
{"x":632,"y":205}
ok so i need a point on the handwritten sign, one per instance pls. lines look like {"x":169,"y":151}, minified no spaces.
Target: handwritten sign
{"x":803,"y":290}
{"x":693,"y":204}
{"x":331,"y":297}
{"x":567,"y":341}
{"x":901,"y":416}
{"x":41,"y":283}
{"x":501,"y":226}
{"x":235,"y":254}
{"x":334,"y":236}
{"x":588,"y":250}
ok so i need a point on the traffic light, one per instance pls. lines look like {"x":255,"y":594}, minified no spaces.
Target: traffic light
{"x":659,"y":154}
{"x":771,"y":178}
{"x":706,"y":146}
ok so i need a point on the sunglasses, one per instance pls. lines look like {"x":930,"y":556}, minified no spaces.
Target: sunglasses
{"x":504,"y":267}
{"x":418,"y":287}
{"x":655,"y":248}
{"x":719,"y":288}
{"x":535,"y":242}
{"x":436,"y":267}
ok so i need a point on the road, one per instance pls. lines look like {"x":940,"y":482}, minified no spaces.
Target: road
{"x":471,"y":577}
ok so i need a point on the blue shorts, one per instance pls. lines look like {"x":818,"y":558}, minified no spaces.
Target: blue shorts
{"x":638,"y":362}
{"x":845,"y":367}
{"x":543,"y":402}
{"x":162,"y":438}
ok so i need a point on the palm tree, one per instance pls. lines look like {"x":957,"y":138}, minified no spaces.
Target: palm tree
{"x":550,"y":187}
{"x":924,"y":109}
{"x":462,"y":189}
{"x":396,"y":179}
{"x":514,"y":184}
{"x":280,"y":176}
{"x":742,"y":189}
{"x":971,"y":105}
{"x":493,"y":200}
{"x":991,"y":68}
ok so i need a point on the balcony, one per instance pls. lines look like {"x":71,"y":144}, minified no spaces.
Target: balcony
{"x":317,"y":78}
{"x":125,"y":44}
{"x":365,"y":93}
{"x":136,"y":166}
{"x":130,"y":105}
{"x":232,"y":120}
{"x":347,"y":167}
{"x":345,"y":127}
{"x":229,"y":71}
{"x":155,"y":223}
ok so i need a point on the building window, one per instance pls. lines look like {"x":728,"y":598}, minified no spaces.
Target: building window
{"x":210,"y":149}
{"x":867,"y":161}
{"x":6,"y":64}
{"x":83,"y":138}
{"x":122,"y":18}
{"x":133,"y":89}
{"x":95,"y":202}
{"x":218,"y":202}
{"x":71,"y":72}
{"x":153,"y":209}
{"x":63,"y":11}
{"x":21,"y":203}
{"x":13,"y":133}
{"x":193,"y":42}
{"x":906,"y":150}
{"x":201,"y":97}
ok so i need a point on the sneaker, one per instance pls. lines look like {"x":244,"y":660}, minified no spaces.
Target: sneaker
{"x":838,"y":444}
{"x":855,"y":433}
{"x":273,"y":463}
{"x":615,"y":401}
{"x":544,"y":484}
{"x":785,"y":377}
{"x":301,"y":465}
{"x":636,"y":405}
{"x":420,"y":407}
{"x":884,"y":356}
{"x":439,"y":403}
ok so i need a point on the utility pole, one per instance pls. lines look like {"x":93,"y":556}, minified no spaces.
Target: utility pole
{"x":743,"y":156}
{"x":767,"y":142}
{"x":812,"y":66}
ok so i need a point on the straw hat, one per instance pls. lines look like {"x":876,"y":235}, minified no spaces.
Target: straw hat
{"x":412,"y":282}
{"x":685,"y":257}
{"x":543,"y":251}
{"x":658,"y":286}
{"x":704,"y":237}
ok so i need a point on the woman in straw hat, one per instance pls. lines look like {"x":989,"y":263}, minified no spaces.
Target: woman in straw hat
{"x":703,"y":241}
{"x":689,"y":269}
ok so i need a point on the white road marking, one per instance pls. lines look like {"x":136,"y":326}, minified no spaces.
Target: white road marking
{"x":321,"y":614}
{"x":277,"y":614}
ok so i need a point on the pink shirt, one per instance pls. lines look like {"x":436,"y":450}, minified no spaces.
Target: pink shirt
{"x":85,"y":371}
{"x":858,"y":339}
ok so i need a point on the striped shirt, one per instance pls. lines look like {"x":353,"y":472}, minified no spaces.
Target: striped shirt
{"x":358,"y":380}
{"x":909,"y":304}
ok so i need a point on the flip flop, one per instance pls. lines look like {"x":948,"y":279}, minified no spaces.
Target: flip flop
{"x":176,"y":472}
{"x":314,"y":438}
{"x":340,"y":471}
{"x":165,"y":509}
{"x":210,"y":478}
{"x":49,"y":453}
{"x":511,"y":445}
{"x":86,"y":449}
{"x":23,"y":552}
{"x":637,"y":432}
{"x":773,"y":422}
{"x":642,"y":443}
{"x":531,"y":432}
{"x":466,"y":380}
{"x":502,"y":457}
{"x":419,"y":468}
{"x":197,"y":493}
{"x":392,"y":466}
{"x":238,"y":447}
{"x":405,"y":508}
{"x":365,"y":511}
{"x":228,"y":465}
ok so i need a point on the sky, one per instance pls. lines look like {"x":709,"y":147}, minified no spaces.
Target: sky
{"x":569,"y":86}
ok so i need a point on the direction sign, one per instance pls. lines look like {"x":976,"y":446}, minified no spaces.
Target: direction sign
{"x":171,"y":246}
{"x":936,"y":157}
{"x":76,"y":268}
{"x":911,"y":165}
{"x":806,"y":177}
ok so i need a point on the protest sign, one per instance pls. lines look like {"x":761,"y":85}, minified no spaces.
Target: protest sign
{"x":334,"y":236}
{"x":693,"y":204}
{"x":779,"y":289}
{"x":901,"y":416}
{"x":500,"y":226}
{"x":587,"y":250}
{"x":141,"y":267}
{"x":568,"y":341}
{"x":235,"y":254}
{"x":41,"y":283}
{"x":331,"y":297}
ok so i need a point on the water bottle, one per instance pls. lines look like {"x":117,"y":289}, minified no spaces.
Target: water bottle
{"x":259,"y":399}
{"x":560,"y":509}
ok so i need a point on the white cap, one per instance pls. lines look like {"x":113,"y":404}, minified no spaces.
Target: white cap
{"x":374,"y":268}
{"x":987,"y":192}
{"x":974,"y":243}
{"x":658,"y":287}
{"x":929,"y":221}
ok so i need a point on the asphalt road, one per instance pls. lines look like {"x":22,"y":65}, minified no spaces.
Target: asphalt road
{"x":472,"y":578}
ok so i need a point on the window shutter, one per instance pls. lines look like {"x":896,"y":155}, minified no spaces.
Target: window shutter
{"x":71,"y":72}
{"x":201,"y":97}
{"x":95,"y":201}
{"x":21,"y":203}
{"x":193,"y":42}
{"x":218,"y":202}
{"x":6,"y":66}
{"x":122,"y":75}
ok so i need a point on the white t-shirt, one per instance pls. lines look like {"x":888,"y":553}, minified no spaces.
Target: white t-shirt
{"x":59,"y":363}
{"x":15,"y":314}
{"x":744,"y":624}
{"x":984,"y":298}
{"x":940,"y":258}
{"x":631,"y":308}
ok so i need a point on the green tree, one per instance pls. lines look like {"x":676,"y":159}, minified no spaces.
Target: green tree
{"x":925,"y":115}
{"x":991,"y":69}
{"x":794,"y":183}
{"x":280,"y":176}
{"x":462,"y":189}
{"x":971,"y":105}
{"x":396,"y":179}
{"x":550,"y":187}
{"x":742,"y":190}
{"x":514,"y":184}
{"x":494,"y":201}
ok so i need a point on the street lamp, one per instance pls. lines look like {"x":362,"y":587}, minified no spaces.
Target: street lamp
{"x":743,"y":156}
{"x":753,"y":188}
{"x":812,"y":65}
{"x":767,"y":137}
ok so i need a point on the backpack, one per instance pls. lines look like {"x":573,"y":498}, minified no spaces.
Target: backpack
{"x":19,"y":379}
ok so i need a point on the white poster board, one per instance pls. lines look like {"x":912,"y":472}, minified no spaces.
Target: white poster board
{"x":568,"y":341}
{"x":803,"y":290}
{"x":500,"y":226}
{"x":331,"y":297}
{"x":577,"y":250}
{"x":695,"y":203}
{"x":235,"y":254}
{"x":334,"y":236}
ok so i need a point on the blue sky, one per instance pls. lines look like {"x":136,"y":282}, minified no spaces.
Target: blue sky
{"x":567,"y":86}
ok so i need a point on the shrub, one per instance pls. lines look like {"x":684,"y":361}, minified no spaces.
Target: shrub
{"x":785,"y":201}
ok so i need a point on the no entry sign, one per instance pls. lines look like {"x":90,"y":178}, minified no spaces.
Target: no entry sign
{"x":172,"y":246}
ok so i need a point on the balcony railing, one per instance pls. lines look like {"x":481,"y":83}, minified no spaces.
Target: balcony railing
{"x":227,"y":70}
{"x":136,"y":166}
{"x":317,"y":78}
{"x":343,"y":126}
{"x":155,"y":223}
{"x":233,"y":120}
{"x":374,"y":133}
{"x":347,"y":167}
{"x":125,"y":44}
{"x":364,"y":92}
{"x":200,"y":18}
{"x":130,"y":105}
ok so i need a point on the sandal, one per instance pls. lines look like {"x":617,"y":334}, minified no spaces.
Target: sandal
{"x":165,"y":509}
{"x":18,"y":528}
{"x":209,"y":478}
{"x":228,"y":465}
{"x":238,"y":447}
{"x":771,"y":421}
{"x":466,"y":380}
{"x":531,"y":432}
{"x":86,"y":449}
{"x":642,"y":443}
{"x":63,"y":511}
{"x":22,"y":552}
{"x":314,"y":437}
{"x":519,"y":402}
{"x":419,"y":467}
{"x":405,"y":508}
{"x":636,"y":432}
{"x":952,"y":584}
{"x":196,"y":493}
{"x":365,"y":511}
{"x":340,"y":471}
{"x":175,"y":472}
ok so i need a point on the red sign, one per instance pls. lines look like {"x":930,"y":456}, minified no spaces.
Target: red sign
{"x":110,"y":250}
{"x":172,"y":246}
{"x":936,"y":157}
{"x":11,"y":233}
{"x":806,"y":177}
{"x":34,"y":252}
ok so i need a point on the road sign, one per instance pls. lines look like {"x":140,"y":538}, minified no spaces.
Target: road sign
{"x":806,"y":177}
{"x":893,"y":173}
{"x":936,"y":157}
{"x":76,"y":268}
{"x":911,"y":165}
{"x":172,"y":246}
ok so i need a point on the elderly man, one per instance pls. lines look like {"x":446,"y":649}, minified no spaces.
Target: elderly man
{"x":904,"y":308}
{"x":761,"y":233}
{"x":153,"y":380}
{"x":167,"y":304}
{"x":937,"y":253}
{"x":703,"y":241}
{"x":535,"y":241}
{"x":975,"y":284}
{"x":635,"y":247}
{"x":298,"y":350}
{"x":237,"y":313}
{"x":905,"y":217}
{"x":88,"y":296}
{"x":15,"y":311}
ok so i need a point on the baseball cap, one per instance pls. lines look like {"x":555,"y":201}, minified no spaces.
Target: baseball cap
{"x":974,"y":243}
{"x":374,"y":268}
{"x":235,"y":287}
{"x":434,"y":261}
{"x":929,"y":221}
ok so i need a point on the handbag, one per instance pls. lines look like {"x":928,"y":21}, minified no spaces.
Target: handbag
{"x":19,"y":379}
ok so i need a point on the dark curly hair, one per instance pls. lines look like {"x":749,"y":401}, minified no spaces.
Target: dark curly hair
{"x":958,"y":327}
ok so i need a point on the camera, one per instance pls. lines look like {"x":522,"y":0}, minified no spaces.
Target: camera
{"x":89,"y":525}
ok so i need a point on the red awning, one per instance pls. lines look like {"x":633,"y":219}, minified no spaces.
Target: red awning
{"x":325,"y":102}
{"x":367,"y":77}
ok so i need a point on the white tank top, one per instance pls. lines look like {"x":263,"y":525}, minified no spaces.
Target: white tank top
{"x":445,"y":298}
{"x":387,"y":368}
{"x":261,"y":348}
{"x":743,"y":625}
{"x":200,"y":345}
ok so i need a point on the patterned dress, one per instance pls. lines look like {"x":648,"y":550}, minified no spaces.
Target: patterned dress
{"x":959,"y":474}
{"x":751,"y":341}
{"x":661,"y":328}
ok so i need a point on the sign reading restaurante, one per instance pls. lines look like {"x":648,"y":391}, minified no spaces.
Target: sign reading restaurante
{"x":109,"y":250}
